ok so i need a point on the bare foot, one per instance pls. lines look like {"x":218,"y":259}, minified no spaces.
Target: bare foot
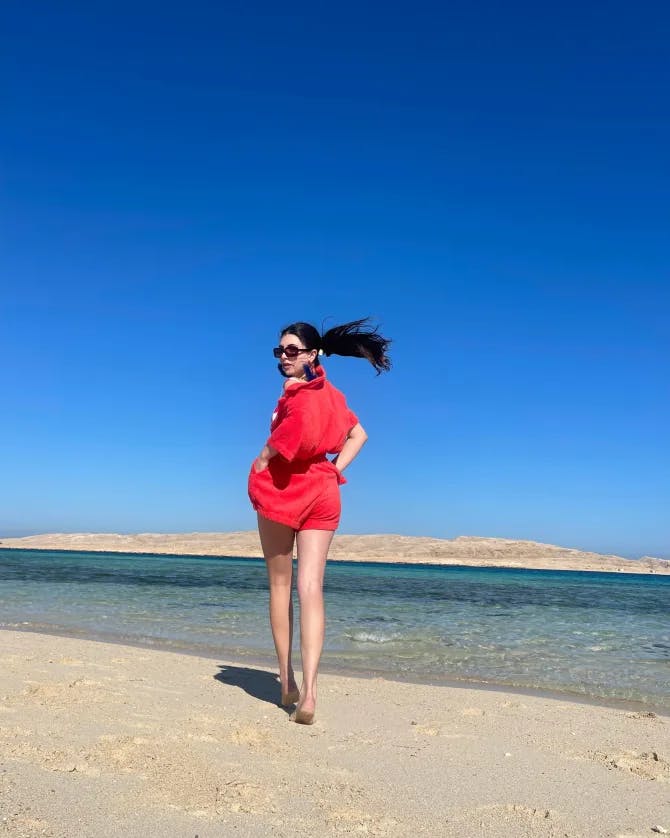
{"x":308,"y":703}
{"x":289,"y":691}
{"x":302,"y":716}
{"x":305,"y":711}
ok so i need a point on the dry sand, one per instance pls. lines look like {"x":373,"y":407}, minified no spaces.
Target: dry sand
{"x":465,"y":550}
{"x":101,"y":740}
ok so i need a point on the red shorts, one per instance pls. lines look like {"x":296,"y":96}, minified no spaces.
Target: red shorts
{"x":301,"y":495}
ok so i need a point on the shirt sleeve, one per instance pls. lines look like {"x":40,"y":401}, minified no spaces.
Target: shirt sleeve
{"x":293,"y":436}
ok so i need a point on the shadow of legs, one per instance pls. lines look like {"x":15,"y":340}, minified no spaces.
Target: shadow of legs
{"x":255,"y":682}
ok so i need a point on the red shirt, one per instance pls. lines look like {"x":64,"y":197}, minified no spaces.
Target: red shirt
{"x":311,"y":420}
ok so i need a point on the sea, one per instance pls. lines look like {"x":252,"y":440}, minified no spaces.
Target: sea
{"x":599,"y":636}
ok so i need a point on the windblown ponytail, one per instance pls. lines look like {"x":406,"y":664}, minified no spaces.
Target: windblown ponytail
{"x":357,"y":339}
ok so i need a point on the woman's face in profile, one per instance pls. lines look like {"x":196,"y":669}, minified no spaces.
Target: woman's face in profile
{"x":293,"y":366}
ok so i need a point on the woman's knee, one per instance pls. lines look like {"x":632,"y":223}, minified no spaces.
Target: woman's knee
{"x":280,"y":585}
{"x":310,"y":588}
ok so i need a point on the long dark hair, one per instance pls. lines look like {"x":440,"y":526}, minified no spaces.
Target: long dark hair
{"x":357,"y":339}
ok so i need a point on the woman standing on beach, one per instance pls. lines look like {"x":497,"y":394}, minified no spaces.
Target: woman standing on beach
{"x":295,"y":489}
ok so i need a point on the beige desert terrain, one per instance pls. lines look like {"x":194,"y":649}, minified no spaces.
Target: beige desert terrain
{"x":465,"y":550}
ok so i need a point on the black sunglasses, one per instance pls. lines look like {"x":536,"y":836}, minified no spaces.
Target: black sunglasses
{"x":290,"y":351}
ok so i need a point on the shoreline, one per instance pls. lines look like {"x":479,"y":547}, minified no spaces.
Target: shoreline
{"x":330,"y":668}
{"x":464,"y":551}
{"x":110,"y":741}
{"x":339,"y":560}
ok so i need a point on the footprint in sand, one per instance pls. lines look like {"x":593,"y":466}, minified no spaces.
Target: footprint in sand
{"x":647,"y":764}
{"x":509,"y":819}
{"x":202,"y":737}
{"x":15,"y":732}
{"x":27,"y":826}
{"x":179,"y":778}
{"x":427,"y":730}
{"x":65,"y":693}
{"x":348,"y":821}
{"x":4,"y":708}
{"x":256,"y":738}
{"x":646,"y":715}
{"x":77,"y":768}
{"x":68,"y":760}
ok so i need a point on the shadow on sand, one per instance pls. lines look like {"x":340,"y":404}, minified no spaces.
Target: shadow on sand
{"x":255,"y":682}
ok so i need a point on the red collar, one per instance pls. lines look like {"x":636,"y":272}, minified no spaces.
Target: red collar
{"x":315,"y":384}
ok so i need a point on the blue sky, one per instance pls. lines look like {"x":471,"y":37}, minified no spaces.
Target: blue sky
{"x":489,"y":181}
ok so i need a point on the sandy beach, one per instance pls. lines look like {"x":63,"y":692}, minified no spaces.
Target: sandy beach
{"x":465,"y":550}
{"x":103,"y":740}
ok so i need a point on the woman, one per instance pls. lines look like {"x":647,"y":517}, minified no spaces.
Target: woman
{"x":295,"y":489}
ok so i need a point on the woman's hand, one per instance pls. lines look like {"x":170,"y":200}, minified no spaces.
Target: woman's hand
{"x":356,"y":439}
{"x":262,"y":461}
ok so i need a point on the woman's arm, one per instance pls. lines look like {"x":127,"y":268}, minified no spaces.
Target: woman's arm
{"x":263,"y":459}
{"x":356,"y":439}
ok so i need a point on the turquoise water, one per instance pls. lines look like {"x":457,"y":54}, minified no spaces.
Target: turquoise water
{"x":595,"y":634}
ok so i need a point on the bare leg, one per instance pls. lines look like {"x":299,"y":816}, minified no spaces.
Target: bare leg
{"x":313,"y":548}
{"x":277,"y":542}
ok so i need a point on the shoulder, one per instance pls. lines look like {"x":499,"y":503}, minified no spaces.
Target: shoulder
{"x":333,"y":391}
{"x":290,"y":383}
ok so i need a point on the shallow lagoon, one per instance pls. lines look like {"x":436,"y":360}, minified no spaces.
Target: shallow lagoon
{"x":596,"y":634}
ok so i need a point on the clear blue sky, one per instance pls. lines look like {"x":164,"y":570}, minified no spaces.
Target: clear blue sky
{"x":489,"y":181}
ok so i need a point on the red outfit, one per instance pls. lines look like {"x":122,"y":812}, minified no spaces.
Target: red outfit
{"x":300,"y":487}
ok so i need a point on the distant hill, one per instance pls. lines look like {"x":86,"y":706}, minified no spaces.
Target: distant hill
{"x":464,"y":550}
